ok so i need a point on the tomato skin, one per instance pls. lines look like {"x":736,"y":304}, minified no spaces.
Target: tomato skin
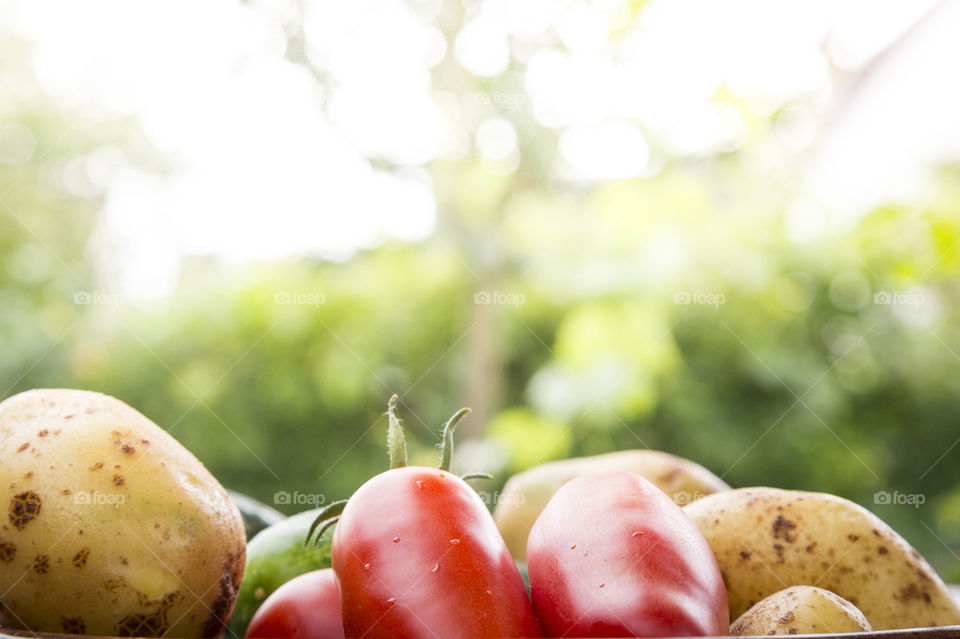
{"x":417,"y":554}
{"x":612,"y":556}
{"x":306,"y":607}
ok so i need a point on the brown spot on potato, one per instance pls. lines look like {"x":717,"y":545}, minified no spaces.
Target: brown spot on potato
{"x":41,"y":565}
{"x":119,"y":480}
{"x":140,"y":625}
{"x":911,"y":591}
{"x":114,"y":584}
{"x":8,"y":550}
{"x":152,"y":624}
{"x":28,"y":475}
{"x":24,"y":508}
{"x":73,"y":625}
{"x":853,"y":538}
{"x":97,"y":466}
{"x":783,"y":529}
{"x":23,"y":447}
{"x":882,"y":550}
{"x":787,"y":618}
{"x":745,"y":554}
{"x":227,"y":594}
{"x":127,"y":449}
{"x":80,"y":559}
{"x":43,"y":433}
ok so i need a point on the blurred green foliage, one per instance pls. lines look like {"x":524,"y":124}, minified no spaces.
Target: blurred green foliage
{"x":671,"y":313}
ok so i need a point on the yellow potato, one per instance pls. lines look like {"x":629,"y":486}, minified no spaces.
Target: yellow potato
{"x":526,"y":494}
{"x":767,"y":539}
{"x":113,"y":528}
{"x":801,"y":610}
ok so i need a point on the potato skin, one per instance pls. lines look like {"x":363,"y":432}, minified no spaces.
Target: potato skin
{"x":113,"y":528}
{"x":767,"y":539}
{"x":526,"y":494}
{"x":801,"y":610}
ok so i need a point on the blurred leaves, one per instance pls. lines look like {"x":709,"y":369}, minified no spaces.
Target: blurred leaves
{"x":670,"y":312}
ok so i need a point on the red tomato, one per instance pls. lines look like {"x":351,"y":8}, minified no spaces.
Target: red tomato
{"x":306,"y":607}
{"x":612,"y":556}
{"x":417,"y":555}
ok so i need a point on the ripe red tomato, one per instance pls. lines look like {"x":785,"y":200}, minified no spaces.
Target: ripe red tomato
{"x":612,"y":556}
{"x":418,"y":555}
{"x":306,"y":607}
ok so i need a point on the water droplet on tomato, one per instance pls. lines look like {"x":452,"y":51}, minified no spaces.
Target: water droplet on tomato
{"x":454,"y":541}
{"x":392,"y":600}
{"x":396,"y":540}
{"x":637,"y":534}
{"x":573,"y":546}
{"x":436,"y":567}
{"x":366,"y":566}
{"x":602,"y":585}
{"x":419,"y":484}
{"x":490,"y":593}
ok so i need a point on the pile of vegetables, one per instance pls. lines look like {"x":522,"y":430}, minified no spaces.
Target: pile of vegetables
{"x":633,"y":544}
{"x":113,"y":528}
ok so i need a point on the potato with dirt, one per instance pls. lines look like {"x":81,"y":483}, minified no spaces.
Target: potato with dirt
{"x":112,"y":527}
{"x":767,"y":539}
{"x":801,"y":610}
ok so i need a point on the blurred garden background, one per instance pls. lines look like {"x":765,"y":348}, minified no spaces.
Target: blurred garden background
{"x":726,"y":230}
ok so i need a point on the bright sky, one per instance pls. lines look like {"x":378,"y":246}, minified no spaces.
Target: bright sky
{"x":268,"y":163}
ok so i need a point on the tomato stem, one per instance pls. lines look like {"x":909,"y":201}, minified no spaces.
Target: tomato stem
{"x":446,"y":447}
{"x":469,"y":476}
{"x":396,"y":442}
{"x":327,"y":517}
